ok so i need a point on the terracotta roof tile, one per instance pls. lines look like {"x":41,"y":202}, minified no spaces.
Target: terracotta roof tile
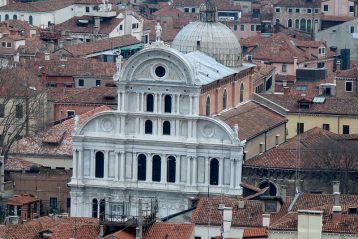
{"x":35,"y":144}
{"x":17,"y":164}
{"x":161,"y":230}
{"x":350,"y":73}
{"x":298,"y":3}
{"x":245,"y":116}
{"x":256,"y":232}
{"x":101,"y":45}
{"x":21,"y":200}
{"x":94,"y":95}
{"x":37,"y":6}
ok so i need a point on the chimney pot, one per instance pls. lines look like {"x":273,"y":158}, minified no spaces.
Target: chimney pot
{"x":266,"y":220}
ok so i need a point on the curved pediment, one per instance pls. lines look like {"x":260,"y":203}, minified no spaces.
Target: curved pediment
{"x":160,"y":65}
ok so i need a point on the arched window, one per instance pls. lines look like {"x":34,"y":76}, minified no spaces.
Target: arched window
{"x":14,"y":17}
{"x":242,"y":92}
{"x":207,"y":108}
{"x":309,"y":25}
{"x":297,"y":23}
{"x":168,"y":104}
{"x":156,"y":170}
{"x":171,"y":169}
{"x":214,"y":172}
{"x":289,"y":23}
{"x":142,"y":167}
{"x":272,"y":190}
{"x":95,"y":208}
{"x":166,"y":128}
{"x":150,"y":103}
{"x":148,"y":129}
{"x":31,"y":20}
{"x":224,"y":100}
{"x":6,"y":17}
{"x":102,"y":209}
{"x":99,"y":172}
{"x":303,"y":25}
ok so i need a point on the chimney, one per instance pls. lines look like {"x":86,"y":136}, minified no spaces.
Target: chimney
{"x":283,"y":193}
{"x":17,"y":57}
{"x":60,"y":44}
{"x":227,"y":219}
{"x":51,"y":46}
{"x":101,"y":231}
{"x":97,"y":25}
{"x":295,"y":60}
{"x":336,"y":214}
{"x":336,"y":187}
{"x":47,"y":56}
{"x":22,"y":18}
{"x":266,"y":220}
{"x":286,"y":90}
{"x":310,"y":224}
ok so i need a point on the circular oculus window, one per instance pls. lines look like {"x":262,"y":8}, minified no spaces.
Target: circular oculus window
{"x":160,"y":71}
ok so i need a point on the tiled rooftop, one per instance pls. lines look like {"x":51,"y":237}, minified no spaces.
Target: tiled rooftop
{"x":246,"y":116}
{"x":38,"y":144}
{"x":310,"y":144}
{"x":162,"y":230}
{"x":21,"y":200}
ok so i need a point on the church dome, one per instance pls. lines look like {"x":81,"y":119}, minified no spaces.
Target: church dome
{"x":211,"y":37}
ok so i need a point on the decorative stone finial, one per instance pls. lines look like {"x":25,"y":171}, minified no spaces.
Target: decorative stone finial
{"x":119,"y":59}
{"x":236,"y":130}
{"x":158,"y":32}
{"x":77,"y":122}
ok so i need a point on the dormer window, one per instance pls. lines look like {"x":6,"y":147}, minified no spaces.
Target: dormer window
{"x":322,"y":51}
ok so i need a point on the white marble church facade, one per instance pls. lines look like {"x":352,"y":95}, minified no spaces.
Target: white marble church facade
{"x":156,"y":145}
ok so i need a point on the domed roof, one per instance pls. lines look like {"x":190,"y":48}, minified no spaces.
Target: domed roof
{"x":211,"y":37}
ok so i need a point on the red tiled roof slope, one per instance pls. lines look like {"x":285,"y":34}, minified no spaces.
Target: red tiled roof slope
{"x":161,"y":230}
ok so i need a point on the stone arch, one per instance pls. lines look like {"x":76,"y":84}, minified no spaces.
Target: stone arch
{"x":142,"y":167}
{"x":156,"y":168}
{"x":171,"y":169}
{"x":99,"y":164}
{"x":214,"y":171}
{"x":272,"y":188}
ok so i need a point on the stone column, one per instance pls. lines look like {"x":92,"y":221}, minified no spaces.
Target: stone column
{"x":221,"y":171}
{"x":149,"y":168}
{"x":196,"y":105}
{"x":178,"y":104}
{"x":195,"y":171}
{"x":122,"y":156}
{"x":74,"y":164}
{"x":190,"y":104}
{"x":80,"y":163}
{"x":106,"y":164}
{"x":238,"y":173}
{"x":177,"y":128}
{"x":232,"y":172}
{"x":135,"y":167}
{"x":188,"y":172}
{"x":177,"y":169}
{"x":155,"y":103}
{"x":93,"y":163}
{"x":163,"y":169}
{"x":160,"y":103}
{"x":159,"y":128}
{"x":207,"y":166}
{"x":116,"y":170}
{"x":138,"y":102}
{"x":123,"y":125}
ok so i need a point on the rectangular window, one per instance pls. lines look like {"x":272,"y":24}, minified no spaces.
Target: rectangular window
{"x":193,"y":9}
{"x":349,"y":86}
{"x":2,"y":110}
{"x":270,"y":206}
{"x":242,"y":27}
{"x":8,"y":44}
{"x":297,"y":10}
{"x":3,"y":44}
{"x":186,"y":9}
{"x":316,"y":10}
{"x":300,"y":128}
{"x":309,"y":10}
{"x":87,"y":9}
{"x":252,"y":28}
{"x":352,"y":29}
{"x":351,"y":8}
{"x":98,"y":82}
{"x":345,"y":129}
{"x":71,"y":113}
{"x":277,"y":139}
{"x":134,"y":25}
{"x":325,"y":8}
{"x":81,"y":82}
{"x":68,"y":202}
{"x":120,"y":27}
{"x":322,"y":51}
{"x":277,"y":9}
{"x":284,"y":68}
{"x":53,"y":202}
{"x":325,"y":126}
{"x":51,"y":85}
{"x":235,"y":27}
{"x":258,"y":28}
{"x":290,"y":10}
{"x":19,"y":111}
{"x":320,"y":65}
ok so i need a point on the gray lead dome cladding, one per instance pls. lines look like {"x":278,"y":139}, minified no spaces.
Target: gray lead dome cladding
{"x":213,"y":38}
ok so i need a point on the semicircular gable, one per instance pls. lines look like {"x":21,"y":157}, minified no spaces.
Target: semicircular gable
{"x":105,"y":123}
{"x":159,"y":65}
{"x":215,"y":131}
